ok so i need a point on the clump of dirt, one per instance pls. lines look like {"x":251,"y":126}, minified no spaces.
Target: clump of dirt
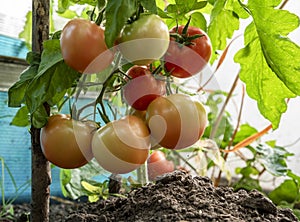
{"x":179,"y":196}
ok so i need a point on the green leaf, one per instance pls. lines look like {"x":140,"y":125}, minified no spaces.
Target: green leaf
{"x":21,"y":118}
{"x":62,"y":6}
{"x":16,"y":92}
{"x":65,"y":178}
{"x":198,"y":20}
{"x":39,"y":117}
{"x":149,"y":5}
{"x":223,"y":23}
{"x":117,"y":13}
{"x":83,"y":2}
{"x":247,"y":183}
{"x":273,"y":159}
{"x":281,"y":54}
{"x":287,"y":191}
{"x":53,"y":78}
{"x":262,"y":84}
{"x":245,"y":131}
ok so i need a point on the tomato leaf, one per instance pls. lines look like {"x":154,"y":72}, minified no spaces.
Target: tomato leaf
{"x":16,"y":92}
{"x":281,"y":54}
{"x":149,"y":5}
{"x":117,"y":13}
{"x":223,"y":22}
{"x":53,"y":78}
{"x":21,"y":118}
{"x":270,"y":62}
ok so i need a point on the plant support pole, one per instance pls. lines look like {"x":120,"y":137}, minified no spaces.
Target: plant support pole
{"x":40,"y":167}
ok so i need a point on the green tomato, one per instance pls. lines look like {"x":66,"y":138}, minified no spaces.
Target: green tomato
{"x":145,"y":40}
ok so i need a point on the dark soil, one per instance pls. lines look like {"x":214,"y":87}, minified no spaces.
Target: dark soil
{"x":177,"y":197}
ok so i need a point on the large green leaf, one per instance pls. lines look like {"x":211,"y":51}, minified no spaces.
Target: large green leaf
{"x":270,"y":62}
{"x":281,"y":54}
{"x":117,"y":13}
{"x":53,"y":78}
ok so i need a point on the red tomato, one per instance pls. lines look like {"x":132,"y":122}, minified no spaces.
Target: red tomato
{"x":67,"y":143}
{"x":157,"y":165}
{"x":83,"y":46}
{"x":122,"y":146}
{"x":182,"y":60}
{"x":143,"y":88}
{"x":176,"y":121}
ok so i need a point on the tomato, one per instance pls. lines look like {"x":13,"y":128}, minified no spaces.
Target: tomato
{"x":67,"y":143}
{"x":143,"y":88}
{"x":123,"y":145}
{"x":157,"y":165}
{"x":144,"y":40}
{"x":176,"y":121}
{"x":182,"y":60}
{"x":83,"y":46}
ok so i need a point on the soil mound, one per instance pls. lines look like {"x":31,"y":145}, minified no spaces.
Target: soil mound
{"x":179,"y":196}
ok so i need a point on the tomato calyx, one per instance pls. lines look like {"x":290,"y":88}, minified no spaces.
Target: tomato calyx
{"x":184,"y":38}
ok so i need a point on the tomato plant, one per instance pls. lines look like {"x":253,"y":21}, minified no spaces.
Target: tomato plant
{"x":176,"y":121}
{"x":122,"y":145}
{"x":145,"y":40}
{"x":188,"y":52}
{"x":83,"y":46}
{"x":67,"y":143}
{"x":158,"y":164}
{"x":143,"y":88}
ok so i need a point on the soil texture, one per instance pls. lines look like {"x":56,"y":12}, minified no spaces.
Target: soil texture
{"x":177,"y":196}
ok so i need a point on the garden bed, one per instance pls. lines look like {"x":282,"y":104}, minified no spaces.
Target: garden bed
{"x":174,"y":197}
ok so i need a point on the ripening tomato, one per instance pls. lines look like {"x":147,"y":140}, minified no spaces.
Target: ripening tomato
{"x":143,"y":88}
{"x":176,"y":121}
{"x":67,"y":143}
{"x":185,"y":59}
{"x":83,"y":46}
{"x":123,"y":145}
{"x":157,"y":165}
{"x":145,"y":40}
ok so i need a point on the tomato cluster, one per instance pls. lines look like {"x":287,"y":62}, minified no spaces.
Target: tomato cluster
{"x":173,"y":121}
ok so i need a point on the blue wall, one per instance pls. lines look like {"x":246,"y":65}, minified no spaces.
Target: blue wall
{"x":15,"y":149}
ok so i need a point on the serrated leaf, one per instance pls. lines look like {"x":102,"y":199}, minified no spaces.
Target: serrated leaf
{"x":21,"y":118}
{"x":149,"y":5}
{"x":281,"y":54}
{"x":16,"y":92}
{"x":223,"y":23}
{"x":262,"y":84}
{"x":117,"y":13}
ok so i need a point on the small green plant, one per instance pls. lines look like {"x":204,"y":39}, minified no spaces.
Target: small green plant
{"x":7,"y":210}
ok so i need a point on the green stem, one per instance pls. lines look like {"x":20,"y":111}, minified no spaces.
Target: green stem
{"x":99,"y":99}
